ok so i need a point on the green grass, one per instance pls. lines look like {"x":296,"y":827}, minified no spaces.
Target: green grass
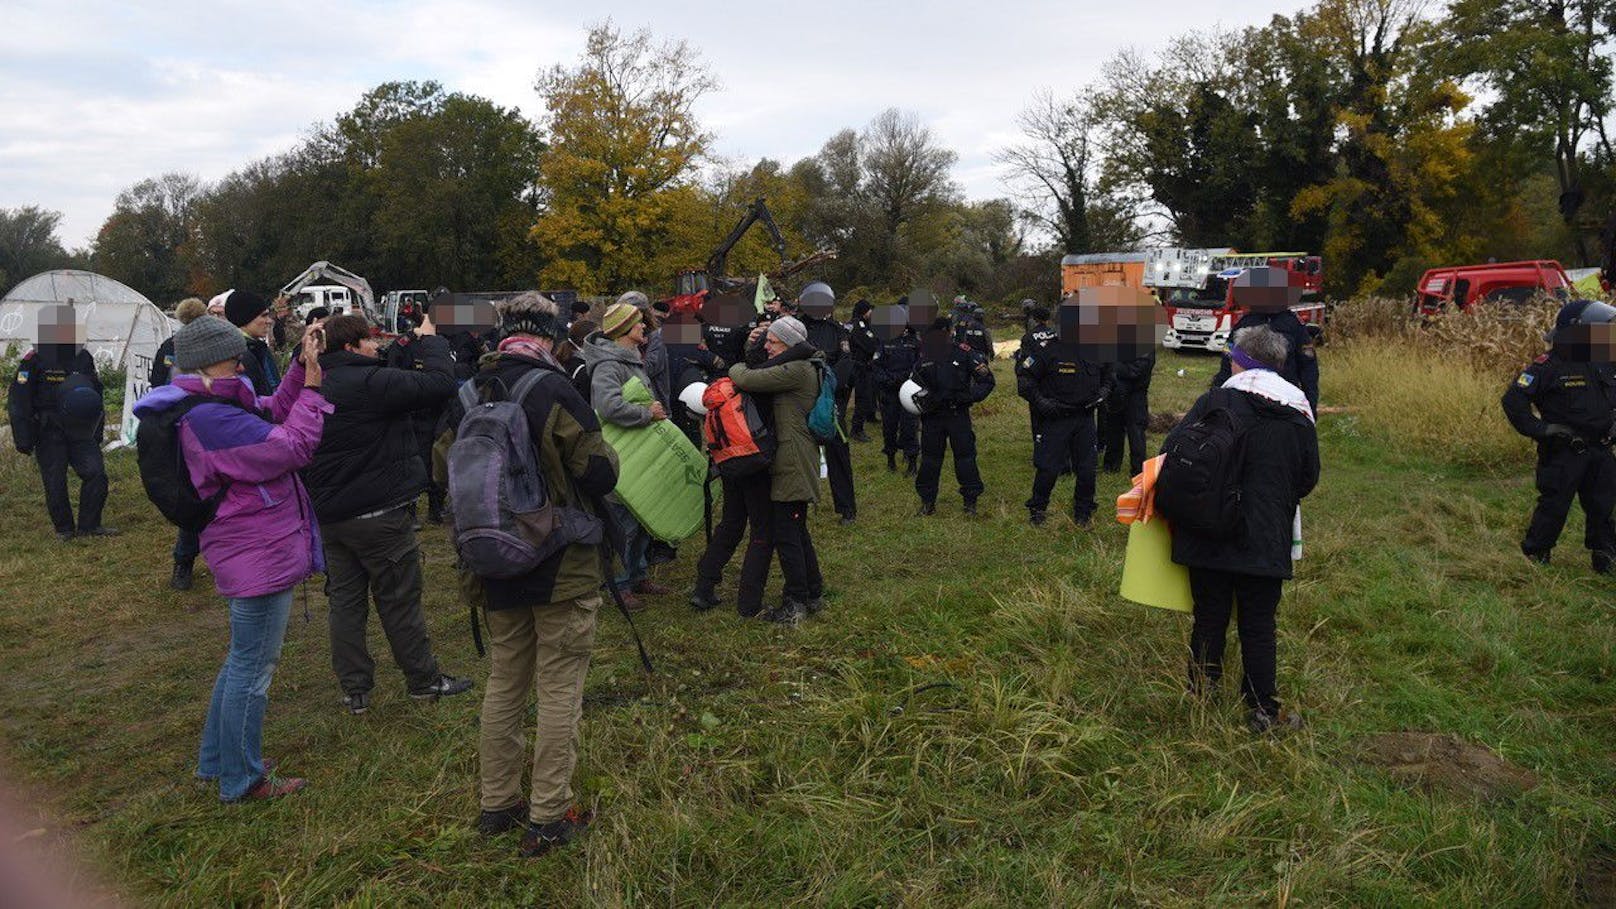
{"x":977,"y":720}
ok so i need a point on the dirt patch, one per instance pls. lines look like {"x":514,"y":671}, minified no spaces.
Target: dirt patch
{"x":1441,"y":761}
{"x":1596,"y":882}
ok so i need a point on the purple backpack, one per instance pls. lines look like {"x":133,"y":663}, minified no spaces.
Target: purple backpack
{"x":503,"y":520}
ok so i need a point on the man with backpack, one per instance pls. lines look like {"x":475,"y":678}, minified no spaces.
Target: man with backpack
{"x":952,"y":377}
{"x":363,"y":481}
{"x":1235,"y":470}
{"x":787,"y":369}
{"x":57,"y":415}
{"x":541,"y":622}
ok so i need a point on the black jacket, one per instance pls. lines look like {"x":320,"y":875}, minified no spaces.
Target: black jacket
{"x":1057,"y":381}
{"x":369,"y":457}
{"x":1281,"y":467}
{"x":1579,"y":395}
{"x":41,"y":374}
{"x":954,"y":377}
{"x":896,"y":359}
{"x":862,"y":342}
{"x":259,"y":366}
{"x":1301,"y":365}
{"x":162,"y":365}
{"x":1134,"y":375}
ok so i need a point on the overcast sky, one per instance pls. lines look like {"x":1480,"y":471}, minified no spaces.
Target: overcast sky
{"x":95,"y":95}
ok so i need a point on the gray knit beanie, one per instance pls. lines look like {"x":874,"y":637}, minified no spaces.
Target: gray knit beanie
{"x":206,"y":341}
{"x":788,"y":330}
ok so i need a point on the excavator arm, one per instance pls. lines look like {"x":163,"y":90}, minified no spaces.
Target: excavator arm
{"x":757,"y":211}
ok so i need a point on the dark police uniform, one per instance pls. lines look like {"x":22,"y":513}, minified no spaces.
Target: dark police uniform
{"x":893,"y":363}
{"x":862,"y":347}
{"x":1064,"y":389}
{"x":1038,"y":336}
{"x":1574,"y":461}
{"x":1127,"y":414}
{"x":954,"y":378}
{"x":405,"y":353}
{"x":1301,"y":363}
{"x":38,"y":427}
{"x":833,"y":339}
{"x":970,"y":331}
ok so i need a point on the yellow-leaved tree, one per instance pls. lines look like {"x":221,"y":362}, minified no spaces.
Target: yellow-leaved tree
{"x":619,"y":205}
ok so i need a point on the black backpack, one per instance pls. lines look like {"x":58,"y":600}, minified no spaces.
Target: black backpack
{"x":162,"y":466}
{"x":1198,"y":489}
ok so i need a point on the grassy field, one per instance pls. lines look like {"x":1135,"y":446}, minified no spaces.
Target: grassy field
{"x":977,"y":719}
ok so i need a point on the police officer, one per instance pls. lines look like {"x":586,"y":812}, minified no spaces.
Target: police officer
{"x":952,"y":377}
{"x":893,"y":363}
{"x":1127,"y":413}
{"x":1573,"y":388}
{"x":1063,"y":388}
{"x":57,"y":414}
{"x":817,"y":304}
{"x":970,"y":330}
{"x":862,"y":346}
{"x":405,"y":353}
{"x":1301,"y":367}
{"x":1037,"y":337}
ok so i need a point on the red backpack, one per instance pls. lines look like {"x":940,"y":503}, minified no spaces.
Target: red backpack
{"x":738,"y":439}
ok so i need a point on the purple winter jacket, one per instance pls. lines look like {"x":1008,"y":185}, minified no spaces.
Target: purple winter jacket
{"x":264,"y":537}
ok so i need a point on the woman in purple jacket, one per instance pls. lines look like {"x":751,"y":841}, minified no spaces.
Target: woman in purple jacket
{"x":262,"y":542}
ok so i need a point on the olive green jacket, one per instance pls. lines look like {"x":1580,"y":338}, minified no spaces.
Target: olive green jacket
{"x":791,"y":383}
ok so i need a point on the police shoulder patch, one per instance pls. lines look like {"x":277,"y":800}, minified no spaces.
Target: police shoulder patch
{"x":1027,"y":363}
{"x":1525,"y":381}
{"x":22,"y":377}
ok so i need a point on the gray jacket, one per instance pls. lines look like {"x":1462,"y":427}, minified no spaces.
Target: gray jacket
{"x":610,"y":366}
{"x":656,"y":367}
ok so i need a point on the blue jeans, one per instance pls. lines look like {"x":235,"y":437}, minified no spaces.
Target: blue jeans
{"x":233,"y":736}
{"x":187,"y":546}
{"x":635,"y":542}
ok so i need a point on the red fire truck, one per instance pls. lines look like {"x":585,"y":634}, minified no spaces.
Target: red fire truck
{"x":1203,"y":317}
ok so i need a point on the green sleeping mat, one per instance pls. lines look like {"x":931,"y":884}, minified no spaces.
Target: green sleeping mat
{"x":659,"y":473}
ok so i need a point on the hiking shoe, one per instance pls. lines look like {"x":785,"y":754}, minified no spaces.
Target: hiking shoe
{"x":1037,"y":518}
{"x":1261,"y":721}
{"x":970,"y":506}
{"x":703,"y":599}
{"x":649,"y":588}
{"x":273,"y":787}
{"x":102,"y":531}
{"x":892,"y":462}
{"x":493,"y":823}
{"x":541,"y":838}
{"x":815,"y":605}
{"x":181,"y":579}
{"x":788,"y":613}
{"x":66,"y":536}
{"x":357,"y":702}
{"x":846,"y":520}
{"x":446,"y":686}
{"x":1082,"y":520}
{"x":926,"y":508}
{"x":910,"y":463}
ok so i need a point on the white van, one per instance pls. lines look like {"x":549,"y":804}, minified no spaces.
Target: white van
{"x":334,"y":297}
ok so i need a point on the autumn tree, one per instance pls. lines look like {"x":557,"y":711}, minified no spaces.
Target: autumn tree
{"x":29,"y":244}
{"x":618,"y":194}
{"x":146,"y":241}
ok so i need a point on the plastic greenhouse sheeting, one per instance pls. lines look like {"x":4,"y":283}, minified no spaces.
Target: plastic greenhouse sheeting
{"x":121,"y":327}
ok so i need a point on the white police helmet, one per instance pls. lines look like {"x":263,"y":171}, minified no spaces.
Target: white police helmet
{"x":906,"y":396}
{"x":691,"y":398}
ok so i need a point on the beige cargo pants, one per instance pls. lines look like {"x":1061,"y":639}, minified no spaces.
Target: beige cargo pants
{"x":543,"y":650}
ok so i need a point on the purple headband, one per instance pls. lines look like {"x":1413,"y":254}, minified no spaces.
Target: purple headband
{"x":1247,"y":361}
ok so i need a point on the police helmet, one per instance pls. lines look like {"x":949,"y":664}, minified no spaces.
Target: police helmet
{"x":691,"y":397}
{"x":906,"y":396}
{"x":78,"y":404}
{"x":1584,"y":312}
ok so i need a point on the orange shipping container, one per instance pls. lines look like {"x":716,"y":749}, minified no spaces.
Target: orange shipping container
{"x":1102,"y":270}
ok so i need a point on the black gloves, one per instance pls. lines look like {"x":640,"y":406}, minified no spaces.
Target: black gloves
{"x":1558,"y":432}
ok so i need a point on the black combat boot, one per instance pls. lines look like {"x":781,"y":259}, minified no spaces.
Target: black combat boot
{"x":181,"y":579}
